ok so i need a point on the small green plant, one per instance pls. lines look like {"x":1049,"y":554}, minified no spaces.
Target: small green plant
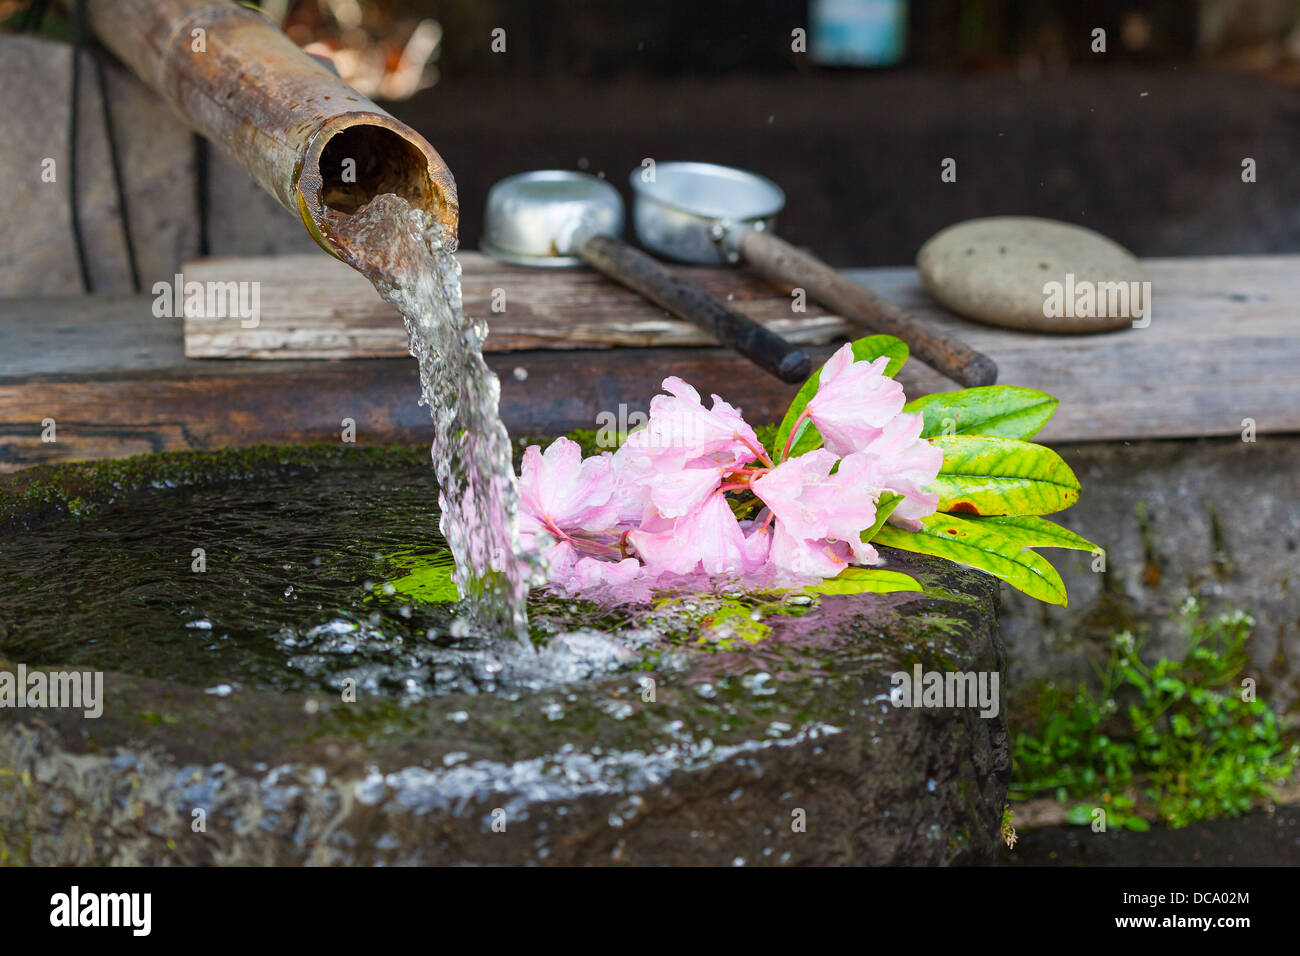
{"x":1178,"y":740}
{"x":1008,"y":828}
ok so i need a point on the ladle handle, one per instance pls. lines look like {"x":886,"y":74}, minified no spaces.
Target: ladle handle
{"x":778,"y":260}
{"x":638,"y":271}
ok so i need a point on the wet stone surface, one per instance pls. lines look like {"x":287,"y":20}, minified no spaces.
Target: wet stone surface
{"x":741,"y":729}
{"x":1214,"y":519}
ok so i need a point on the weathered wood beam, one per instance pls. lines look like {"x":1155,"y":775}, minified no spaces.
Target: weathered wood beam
{"x":311,"y":306}
{"x":1223,"y":346}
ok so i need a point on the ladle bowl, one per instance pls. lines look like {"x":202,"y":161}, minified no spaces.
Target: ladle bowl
{"x":555,"y":217}
{"x":541,"y":218}
{"x":668,"y":209}
{"x":708,"y":214}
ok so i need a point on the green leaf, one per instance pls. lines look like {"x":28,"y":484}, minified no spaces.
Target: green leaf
{"x":1035,"y":532}
{"x":885,"y":506}
{"x":864,"y":350}
{"x":977,"y":545}
{"x":984,"y":475}
{"x":865,"y":581}
{"x":1005,"y":411}
{"x":430,"y":578}
{"x":1079,"y":815}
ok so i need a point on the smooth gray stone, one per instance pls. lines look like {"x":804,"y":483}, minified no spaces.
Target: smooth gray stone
{"x":997,"y":270}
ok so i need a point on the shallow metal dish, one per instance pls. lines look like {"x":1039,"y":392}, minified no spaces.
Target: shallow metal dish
{"x":541,"y":218}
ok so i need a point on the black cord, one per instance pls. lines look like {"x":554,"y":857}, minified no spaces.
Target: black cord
{"x":202,"y":176}
{"x":78,"y":22}
{"x":116,"y":162}
{"x":36,"y":13}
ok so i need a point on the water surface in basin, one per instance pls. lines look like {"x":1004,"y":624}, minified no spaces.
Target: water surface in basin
{"x":293,"y":589}
{"x":320,"y":572}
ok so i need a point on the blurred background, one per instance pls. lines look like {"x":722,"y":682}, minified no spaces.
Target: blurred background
{"x":1132,"y":117}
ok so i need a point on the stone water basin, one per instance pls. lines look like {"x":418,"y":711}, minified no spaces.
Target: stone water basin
{"x":715,"y":729}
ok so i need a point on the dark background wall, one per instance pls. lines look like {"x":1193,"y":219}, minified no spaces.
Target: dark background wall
{"x":1144,"y":142}
{"x":604,"y":39}
{"x":1150,"y":157}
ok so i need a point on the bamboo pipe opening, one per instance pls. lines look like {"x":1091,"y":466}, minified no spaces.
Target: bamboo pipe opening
{"x":299,"y":131}
{"x":357,"y":156}
{"x":362,"y":162}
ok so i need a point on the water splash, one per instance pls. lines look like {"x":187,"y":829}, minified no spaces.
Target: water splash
{"x":410,"y":259}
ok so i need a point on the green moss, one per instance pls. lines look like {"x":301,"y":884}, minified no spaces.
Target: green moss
{"x":15,"y":789}
{"x":767,"y":435}
{"x":369,"y":722}
{"x":428,"y":578}
{"x":80,"y":488}
{"x":1223,"y":563}
{"x":1153,"y":567}
{"x":588,"y":439}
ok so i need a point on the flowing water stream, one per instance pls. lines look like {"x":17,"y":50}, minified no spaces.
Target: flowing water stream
{"x":405,"y":253}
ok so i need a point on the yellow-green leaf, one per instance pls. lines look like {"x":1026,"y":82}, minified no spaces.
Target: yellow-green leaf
{"x":885,"y":506}
{"x":977,"y":545}
{"x":1032,"y":531}
{"x":986,"y":475}
{"x":1005,"y":411}
{"x":865,"y":581}
{"x":429,"y":580}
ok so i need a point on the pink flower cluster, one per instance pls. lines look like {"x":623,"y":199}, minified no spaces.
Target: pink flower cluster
{"x":658,"y":510}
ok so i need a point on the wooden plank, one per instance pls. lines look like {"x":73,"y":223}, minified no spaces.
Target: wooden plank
{"x":1223,"y":346}
{"x":313,"y":306}
{"x":239,"y":403}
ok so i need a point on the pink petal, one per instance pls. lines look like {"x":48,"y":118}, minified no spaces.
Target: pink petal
{"x":853,"y":401}
{"x":803,"y":559}
{"x":709,"y":538}
{"x":560,"y":487}
{"x":783,"y":488}
{"x":905,"y":463}
{"x":679,"y":493}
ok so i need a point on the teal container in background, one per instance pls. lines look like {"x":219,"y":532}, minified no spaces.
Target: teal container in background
{"x":861,"y":33}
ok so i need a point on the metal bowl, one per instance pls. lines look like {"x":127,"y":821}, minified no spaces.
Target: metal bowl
{"x":683,"y":212}
{"x":541,"y":218}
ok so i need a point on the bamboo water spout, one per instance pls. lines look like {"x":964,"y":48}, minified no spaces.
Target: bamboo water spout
{"x":305,"y":136}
